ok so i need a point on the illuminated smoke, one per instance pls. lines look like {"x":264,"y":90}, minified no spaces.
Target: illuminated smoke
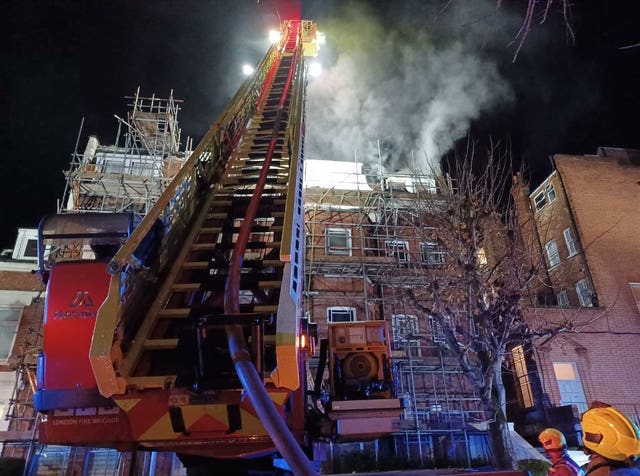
{"x":406,"y":91}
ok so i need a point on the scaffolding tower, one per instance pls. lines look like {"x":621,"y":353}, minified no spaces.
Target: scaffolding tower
{"x":130,"y":175}
{"x":367,"y":243}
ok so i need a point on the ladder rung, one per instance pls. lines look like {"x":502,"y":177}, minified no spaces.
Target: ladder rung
{"x":160,"y":344}
{"x":270,"y":284}
{"x":222,"y":203}
{"x":210,"y":229}
{"x":185,"y":287}
{"x":175,"y":313}
{"x":217,"y":215}
{"x":191,"y":265}
{"x":265,"y":308}
{"x":250,"y":245}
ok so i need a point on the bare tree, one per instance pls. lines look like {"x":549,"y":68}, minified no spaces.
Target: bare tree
{"x":476,"y":296}
{"x":537,"y":11}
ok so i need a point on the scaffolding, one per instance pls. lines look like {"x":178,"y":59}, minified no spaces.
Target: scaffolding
{"x":20,"y":440}
{"x":130,"y":175}
{"x":367,"y":243}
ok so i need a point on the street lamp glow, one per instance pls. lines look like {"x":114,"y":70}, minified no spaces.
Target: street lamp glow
{"x":315,"y":69}
{"x":247,"y":69}
{"x":274,"y":36}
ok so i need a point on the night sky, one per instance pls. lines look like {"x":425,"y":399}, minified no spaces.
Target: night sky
{"x":65,"y":60}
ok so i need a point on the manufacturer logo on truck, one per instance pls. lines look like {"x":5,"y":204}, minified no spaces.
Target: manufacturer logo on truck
{"x":82,"y":299}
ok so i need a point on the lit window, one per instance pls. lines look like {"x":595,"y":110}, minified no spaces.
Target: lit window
{"x":553,"y":257}
{"x":482,"y":257}
{"x":522,"y":376}
{"x":569,"y":385}
{"x":341,"y":314}
{"x":399,"y":249}
{"x":563,"y":299}
{"x":571,"y":244}
{"x":338,"y":241}
{"x":584,"y":293}
{"x":431,"y":254}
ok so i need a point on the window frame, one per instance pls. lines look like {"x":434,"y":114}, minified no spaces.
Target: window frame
{"x":437,"y":330}
{"x":564,"y":301}
{"x":635,"y":292}
{"x":392,"y":248}
{"x":550,"y":192}
{"x":25,"y":236}
{"x":519,"y":361}
{"x":349,"y":309}
{"x":585,"y":294}
{"x":404,"y":327}
{"x":545,"y":196}
{"x":572,"y":250}
{"x":556,"y":254}
{"x":13,"y":326}
{"x":430,"y":249}
{"x":337,"y":250}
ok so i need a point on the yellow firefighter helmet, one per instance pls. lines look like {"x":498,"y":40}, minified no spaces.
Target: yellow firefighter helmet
{"x":552,"y":439}
{"x":609,"y":433}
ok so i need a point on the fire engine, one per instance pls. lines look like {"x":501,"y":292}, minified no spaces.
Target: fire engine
{"x":183,"y":331}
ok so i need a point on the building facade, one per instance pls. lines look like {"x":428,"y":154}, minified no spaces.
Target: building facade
{"x":582,"y":224}
{"x":369,"y":253}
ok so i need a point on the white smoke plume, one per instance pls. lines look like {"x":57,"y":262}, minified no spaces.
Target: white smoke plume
{"x":396,"y":94}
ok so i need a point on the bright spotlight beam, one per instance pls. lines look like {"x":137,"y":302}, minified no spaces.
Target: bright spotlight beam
{"x":274,"y":36}
{"x":247,"y":69}
{"x":315,"y":69}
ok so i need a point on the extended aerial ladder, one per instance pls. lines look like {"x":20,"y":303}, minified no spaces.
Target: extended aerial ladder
{"x":196,"y":345}
{"x":183,"y":331}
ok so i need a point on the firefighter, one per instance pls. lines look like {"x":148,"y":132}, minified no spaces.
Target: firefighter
{"x":611,"y":440}
{"x":555,"y":446}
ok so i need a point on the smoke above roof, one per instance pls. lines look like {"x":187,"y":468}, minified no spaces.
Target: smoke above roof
{"x":401,"y":89}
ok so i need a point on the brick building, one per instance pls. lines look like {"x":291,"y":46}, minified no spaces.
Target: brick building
{"x":582,"y":223}
{"x":368,"y":245}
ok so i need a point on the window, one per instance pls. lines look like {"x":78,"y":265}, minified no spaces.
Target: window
{"x":432,"y":254}
{"x":438,"y":328}
{"x":635,"y":290}
{"x":399,"y":249}
{"x":522,"y":377}
{"x":551,"y":192}
{"x":584,"y":293}
{"x":571,"y":244}
{"x":406,"y":332}
{"x":547,"y":195}
{"x":9,"y":318}
{"x":563,"y":299}
{"x":569,"y":385}
{"x":341,"y":314}
{"x":338,"y":241}
{"x":540,"y":200}
{"x":482,"y":257}
{"x":553,"y":257}
{"x":26,"y":247}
